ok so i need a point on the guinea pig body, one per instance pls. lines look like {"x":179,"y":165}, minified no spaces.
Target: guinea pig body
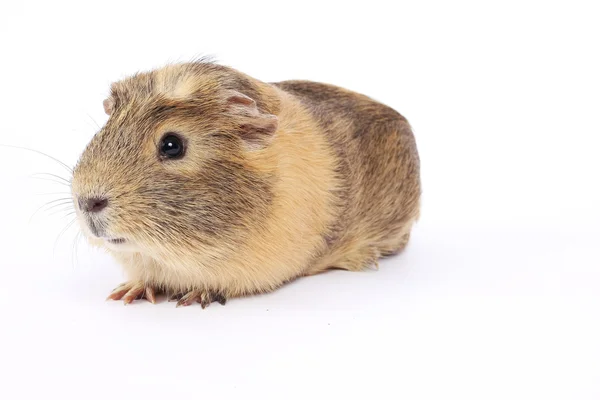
{"x":208,"y":184}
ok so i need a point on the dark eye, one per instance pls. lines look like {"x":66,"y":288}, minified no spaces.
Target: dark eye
{"x":171,"y":146}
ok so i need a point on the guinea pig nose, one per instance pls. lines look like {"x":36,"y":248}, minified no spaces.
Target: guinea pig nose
{"x":93,"y":204}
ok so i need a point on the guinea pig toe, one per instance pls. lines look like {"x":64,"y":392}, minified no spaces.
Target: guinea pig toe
{"x":208,"y":297}
{"x":203,"y":297}
{"x":174,"y":297}
{"x":120,"y":291}
{"x":219,"y":298}
{"x":188,"y":298}
{"x":130,"y":291}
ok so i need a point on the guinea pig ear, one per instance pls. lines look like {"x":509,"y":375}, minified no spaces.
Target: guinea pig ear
{"x":256,"y":128}
{"x":108,"y":104}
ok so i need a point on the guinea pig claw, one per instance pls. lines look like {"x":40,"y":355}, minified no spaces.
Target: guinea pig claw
{"x":187,"y":299}
{"x":219,"y":298}
{"x":118,"y":293}
{"x":204,"y":299}
{"x":130,"y":291}
{"x":201,"y":296}
{"x":174,"y":297}
{"x":149,"y":294}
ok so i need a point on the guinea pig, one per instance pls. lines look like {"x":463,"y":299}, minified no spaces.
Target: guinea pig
{"x":206,"y":184}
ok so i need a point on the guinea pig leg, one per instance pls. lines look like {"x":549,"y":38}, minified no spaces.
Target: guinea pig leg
{"x":130,"y":291}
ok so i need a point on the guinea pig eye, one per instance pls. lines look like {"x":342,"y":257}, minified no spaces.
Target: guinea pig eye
{"x":171,"y":146}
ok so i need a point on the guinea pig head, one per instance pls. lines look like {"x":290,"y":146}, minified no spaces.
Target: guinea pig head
{"x":172,"y":170}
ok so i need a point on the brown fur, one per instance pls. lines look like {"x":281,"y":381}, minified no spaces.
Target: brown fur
{"x":304,"y":178}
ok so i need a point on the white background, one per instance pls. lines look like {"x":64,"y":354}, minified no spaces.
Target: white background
{"x":495,"y":298}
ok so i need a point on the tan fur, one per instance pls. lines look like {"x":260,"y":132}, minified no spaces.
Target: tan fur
{"x":313,"y":177}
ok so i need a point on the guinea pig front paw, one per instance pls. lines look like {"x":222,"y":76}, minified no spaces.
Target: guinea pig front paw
{"x":204,"y":297}
{"x":132,"y":290}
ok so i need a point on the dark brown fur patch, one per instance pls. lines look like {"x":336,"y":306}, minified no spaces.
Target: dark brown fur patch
{"x":380,"y":195}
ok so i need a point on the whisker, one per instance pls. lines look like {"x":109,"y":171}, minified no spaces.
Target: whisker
{"x":42,"y":153}
{"x":53,"y":175}
{"x":57,"y":200}
{"x":66,"y":207}
{"x":94,"y":121}
{"x":52,"y":194}
{"x":60,"y":234}
{"x":63,"y":201}
{"x":62,"y":210}
{"x":74,"y":257}
{"x":50,"y":180}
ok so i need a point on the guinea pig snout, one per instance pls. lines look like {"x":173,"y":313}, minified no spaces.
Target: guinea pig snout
{"x":92,"y":204}
{"x":91,"y":208}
